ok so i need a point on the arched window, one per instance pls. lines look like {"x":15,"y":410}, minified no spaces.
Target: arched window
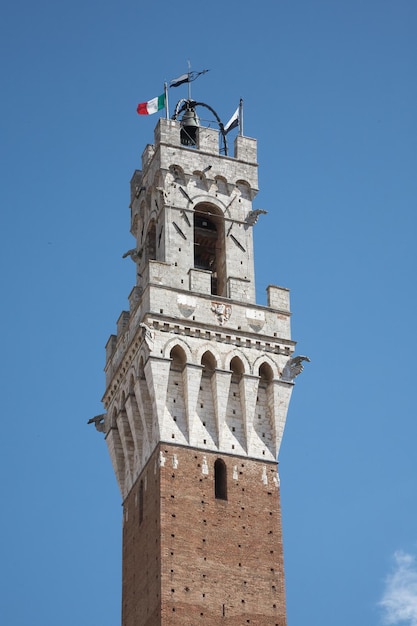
{"x":266,"y":374}
{"x":220,"y":480}
{"x":178,"y":357}
{"x":209,"y":251}
{"x":209,"y":363}
{"x":237,"y":368}
{"x":151,"y":242}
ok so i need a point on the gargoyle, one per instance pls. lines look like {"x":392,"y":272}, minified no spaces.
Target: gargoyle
{"x":98,"y":422}
{"x":293,"y":367}
{"x":252,"y":216}
{"x":134,"y":254}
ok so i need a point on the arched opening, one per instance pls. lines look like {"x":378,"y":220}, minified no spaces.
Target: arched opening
{"x":116,"y":451}
{"x":141,"y":370}
{"x":209,"y":252}
{"x":266,"y":374}
{"x":209,"y":363}
{"x":237,"y":368}
{"x":206,"y":428}
{"x":244,"y":188}
{"x":235,"y":431}
{"x":177,"y":173}
{"x":264,"y":411}
{"x":177,"y":427}
{"x":220,"y":479}
{"x":178,"y":357}
{"x":151,"y":242}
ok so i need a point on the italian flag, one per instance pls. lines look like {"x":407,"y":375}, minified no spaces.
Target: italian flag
{"x":152,"y":106}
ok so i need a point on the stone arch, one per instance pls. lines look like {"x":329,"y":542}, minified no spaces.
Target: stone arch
{"x":126,"y":435}
{"x":265,"y":359}
{"x":244,"y":188}
{"x":178,"y":357}
{"x":235,"y":431}
{"x":182,"y":344}
{"x":236,"y":353}
{"x":264,"y":422}
{"x":141,"y":366}
{"x":209,"y":361}
{"x":117,"y":456}
{"x":143,"y":405}
{"x":205,"y":427}
{"x":134,"y":229}
{"x":199,"y":180}
{"x":209,"y":244}
{"x":150,"y":242}
{"x":207,"y":347}
{"x":236,"y":365}
{"x":114,"y":413}
{"x":266,"y":373}
{"x":131,"y":380}
{"x":177,"y":174}
{"x":221,"y":185}
{"x":176,"y":426}
{"x":141,"y":223}
{"x":122,"y":392}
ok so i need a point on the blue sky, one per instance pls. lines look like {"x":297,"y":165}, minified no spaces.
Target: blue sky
{"x":330,"y":93}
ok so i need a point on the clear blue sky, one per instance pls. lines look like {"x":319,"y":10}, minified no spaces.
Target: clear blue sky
{"x":330,"y":93}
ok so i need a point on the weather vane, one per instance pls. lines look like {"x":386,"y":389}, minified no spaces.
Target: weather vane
{"x":189,"y":121}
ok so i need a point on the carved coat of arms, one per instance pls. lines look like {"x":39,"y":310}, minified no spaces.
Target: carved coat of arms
{"x":221,"y":311}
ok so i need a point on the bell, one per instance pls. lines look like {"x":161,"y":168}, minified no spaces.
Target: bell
{"x":189,"y":126}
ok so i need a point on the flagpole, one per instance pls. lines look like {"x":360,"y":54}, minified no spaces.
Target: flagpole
{"x":241,"y":116}
{"x":166,"y":101}
{"x":189,"y":82}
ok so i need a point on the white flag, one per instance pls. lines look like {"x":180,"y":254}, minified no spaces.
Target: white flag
{"x":233,"y":122}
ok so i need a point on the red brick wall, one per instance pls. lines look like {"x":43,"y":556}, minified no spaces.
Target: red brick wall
{"x":141,"y":568}
{"x":200,"y":559}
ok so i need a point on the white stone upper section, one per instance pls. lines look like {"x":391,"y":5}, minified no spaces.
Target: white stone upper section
{"x":196,"y":361}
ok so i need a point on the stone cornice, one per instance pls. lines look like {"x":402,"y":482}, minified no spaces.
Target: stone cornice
{"x":210,"y":332}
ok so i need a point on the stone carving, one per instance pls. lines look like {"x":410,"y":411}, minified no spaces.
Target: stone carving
{"x":148,"y":334}
{"x":134,"y":254}
{"x":293,"y":367}
{"x":222,"y":312}
{"x":98,"y":422}
{"x":163,"y":192}
{"x":252,"y":216}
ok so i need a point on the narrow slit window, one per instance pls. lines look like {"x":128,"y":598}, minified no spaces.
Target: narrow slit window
{"x":220,"y":480}
{"x":141,"y":502}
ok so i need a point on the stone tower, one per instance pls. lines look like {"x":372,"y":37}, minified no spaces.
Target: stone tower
{"x":198,"y":381}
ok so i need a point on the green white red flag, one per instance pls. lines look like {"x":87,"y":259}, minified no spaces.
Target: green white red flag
{"x":152,"y":106}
